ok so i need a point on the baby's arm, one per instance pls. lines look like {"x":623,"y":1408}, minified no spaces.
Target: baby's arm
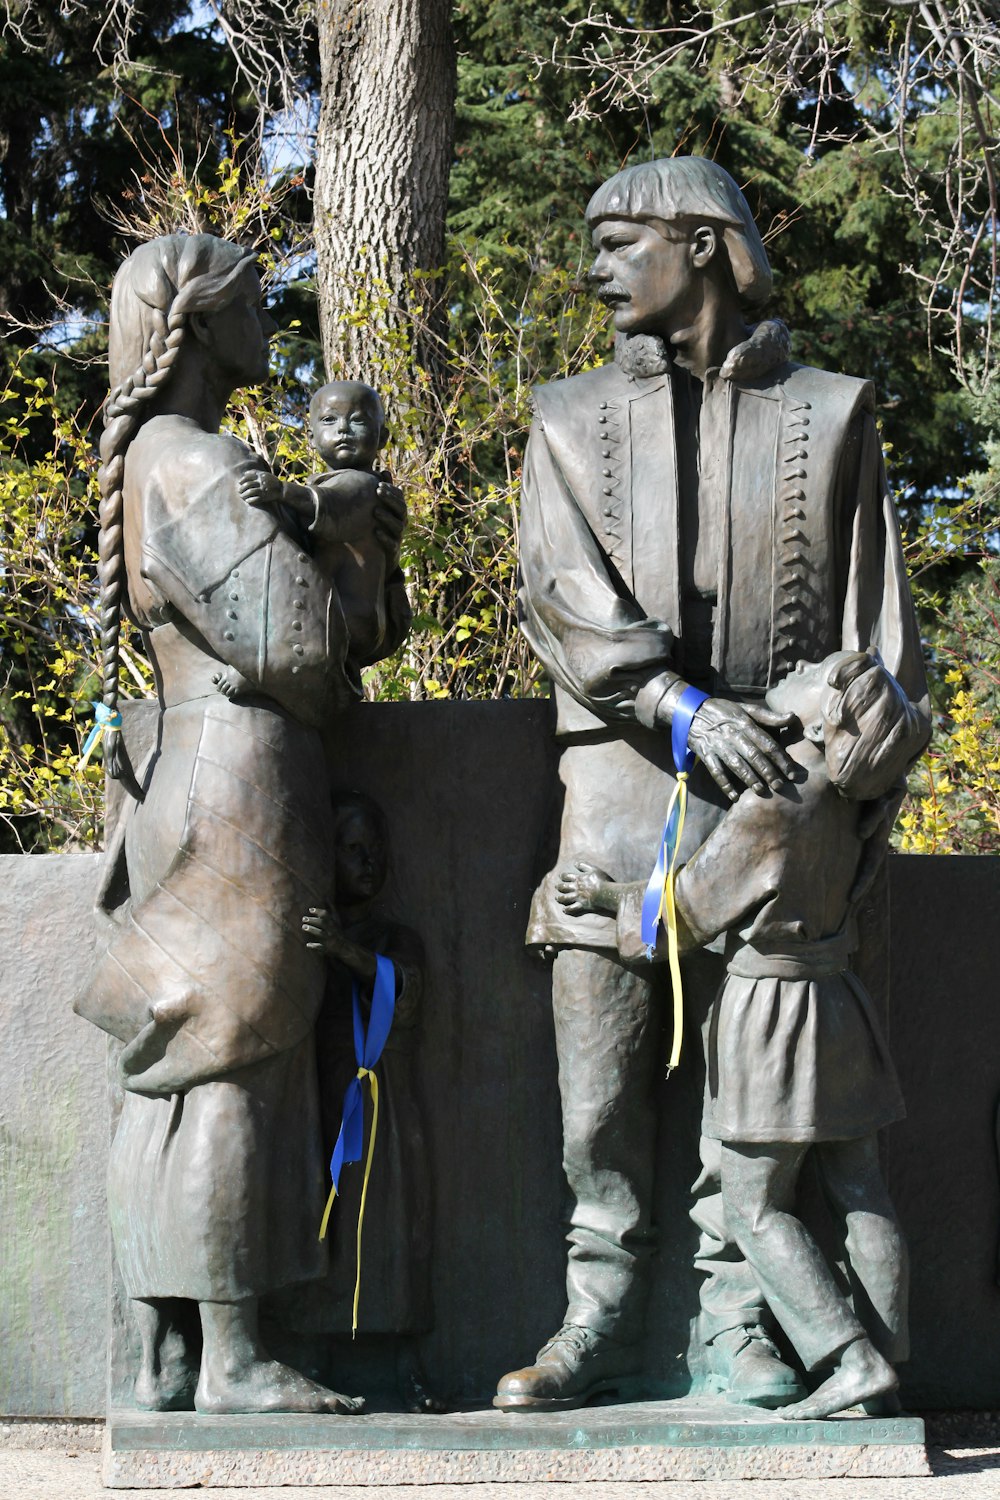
{"x":260,"y":487}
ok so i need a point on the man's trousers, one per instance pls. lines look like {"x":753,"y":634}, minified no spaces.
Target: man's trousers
{"x":609,"y":1041}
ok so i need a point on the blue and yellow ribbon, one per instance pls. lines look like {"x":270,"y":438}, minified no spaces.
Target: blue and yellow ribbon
{"x":658,"y":908}
{"x":368,"y":1045}
{"x":104,"y":718}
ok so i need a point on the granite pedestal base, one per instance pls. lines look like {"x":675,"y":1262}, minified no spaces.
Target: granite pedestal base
{"x":685,"y":1439}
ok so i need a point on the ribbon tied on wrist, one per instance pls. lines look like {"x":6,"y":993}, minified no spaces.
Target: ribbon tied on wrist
{"x":658,"y":908}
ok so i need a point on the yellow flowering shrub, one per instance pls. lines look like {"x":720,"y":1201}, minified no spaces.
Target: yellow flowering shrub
{"x":953,"y":806}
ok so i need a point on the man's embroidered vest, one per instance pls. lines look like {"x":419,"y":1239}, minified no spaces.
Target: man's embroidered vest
{"x":783,"y":557}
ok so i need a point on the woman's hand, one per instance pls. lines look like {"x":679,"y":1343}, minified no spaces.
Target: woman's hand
{"x":390,"y":518}
{"x":347,"y":509}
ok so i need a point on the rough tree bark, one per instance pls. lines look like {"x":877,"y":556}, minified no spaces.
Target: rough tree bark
{"x":383,"y":153}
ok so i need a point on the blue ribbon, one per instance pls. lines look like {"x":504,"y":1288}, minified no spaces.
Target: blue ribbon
{"x":104,"y":718}
{"x":368,"y":1046}
{"x":684,"y":758}
{"x":687,"y":706}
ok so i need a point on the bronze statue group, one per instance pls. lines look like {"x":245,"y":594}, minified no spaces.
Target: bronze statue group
{"x":699,"y":513}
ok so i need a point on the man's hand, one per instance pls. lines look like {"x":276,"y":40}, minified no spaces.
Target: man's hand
{"x":736,"y":750}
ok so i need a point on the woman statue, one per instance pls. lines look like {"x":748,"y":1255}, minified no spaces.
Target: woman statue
{"x":216,"y":1180}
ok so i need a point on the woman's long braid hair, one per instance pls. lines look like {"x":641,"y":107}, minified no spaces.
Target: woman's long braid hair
{"x":154,"y":292}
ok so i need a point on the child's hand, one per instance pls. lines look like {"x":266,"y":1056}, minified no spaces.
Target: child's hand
{"x":322,"y":930}
{"x":583,"y":888}
{"x":260,"y":487}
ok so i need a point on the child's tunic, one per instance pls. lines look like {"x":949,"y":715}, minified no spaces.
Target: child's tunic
{"x":795,"y":1051}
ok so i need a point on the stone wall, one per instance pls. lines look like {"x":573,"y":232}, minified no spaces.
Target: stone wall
{"x":53,"y":1144}
{"x":470,"y":791}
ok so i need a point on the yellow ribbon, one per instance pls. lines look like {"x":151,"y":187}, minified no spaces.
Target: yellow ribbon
{"x":668,"y":916}
{"x":362,"y":1074}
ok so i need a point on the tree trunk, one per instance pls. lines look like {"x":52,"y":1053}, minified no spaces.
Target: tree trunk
{"x":383,"y":154}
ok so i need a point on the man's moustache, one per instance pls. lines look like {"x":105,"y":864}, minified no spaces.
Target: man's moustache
{"x":612,"y":294}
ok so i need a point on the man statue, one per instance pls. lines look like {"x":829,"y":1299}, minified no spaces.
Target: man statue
{"x":701,"y":511}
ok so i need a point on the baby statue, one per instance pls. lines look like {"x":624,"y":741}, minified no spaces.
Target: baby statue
{"x":335,"y":516}
{"x":797,"y":1063}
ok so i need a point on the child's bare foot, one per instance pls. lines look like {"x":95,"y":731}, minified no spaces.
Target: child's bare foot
{"x":263,"y":1385}
{"x":230,"y":682}
{"x":862,"y":1375}
{"x":583,"y":888}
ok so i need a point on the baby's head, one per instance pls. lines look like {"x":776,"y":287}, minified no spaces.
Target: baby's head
{"x":361,"y":848}
{"x":348,"y":424}
{"x":858,"y":712}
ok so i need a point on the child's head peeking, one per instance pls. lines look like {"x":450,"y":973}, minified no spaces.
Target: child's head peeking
{"x":361,"y":848}
{"x":348,"y":424}
{"x":856,"y":710}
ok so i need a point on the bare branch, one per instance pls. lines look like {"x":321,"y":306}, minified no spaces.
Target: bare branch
{"x":936,"y":59}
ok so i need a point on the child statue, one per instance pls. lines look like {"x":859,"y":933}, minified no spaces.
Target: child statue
{"x":796,"y":1059}
{"x":395,"y":1264}
{"x":348,"y":431}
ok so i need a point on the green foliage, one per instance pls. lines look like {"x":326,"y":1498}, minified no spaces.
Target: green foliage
{"x":954,"y":796}
{"x":456,"y":442}
{"x":86,"y":151}
{"x":47,"y":626}
{"x":168,"y":141}
{"x":843,"y":240}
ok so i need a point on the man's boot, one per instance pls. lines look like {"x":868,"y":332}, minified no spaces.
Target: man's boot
{"x":576,"y":1364}
{"x":750,"y":1370}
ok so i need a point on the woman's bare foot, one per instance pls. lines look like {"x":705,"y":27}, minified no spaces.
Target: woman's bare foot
{"x":583,"y":888}
{"x":862,"y":1375}
{"x":237,"y":1375}
{"x":264,"y":1385}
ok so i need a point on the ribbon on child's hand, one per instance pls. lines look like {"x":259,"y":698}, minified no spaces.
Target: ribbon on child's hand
{"x":368,"y":1045}
{"x":658,"y":907}
{"x":104,"y":718}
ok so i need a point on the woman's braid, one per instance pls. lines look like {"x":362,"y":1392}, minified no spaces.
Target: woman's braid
{"x":126,"y":409}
